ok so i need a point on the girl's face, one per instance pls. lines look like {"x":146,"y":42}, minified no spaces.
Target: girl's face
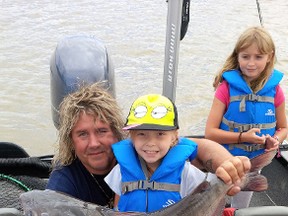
{"x":252,"y":62}
{"x":153,"y":145}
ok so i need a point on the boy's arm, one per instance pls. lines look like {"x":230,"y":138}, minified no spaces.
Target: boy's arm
{"x":116,"y":200}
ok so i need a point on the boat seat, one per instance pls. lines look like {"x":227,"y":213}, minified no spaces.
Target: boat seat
{"x":263,"y":211}
{"x":11,"y":150}
{"x":10,"y":212}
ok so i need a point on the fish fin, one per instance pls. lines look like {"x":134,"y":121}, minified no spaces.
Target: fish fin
{"x":260,"y":161}
{"x":201,"y":187}
{"x":220,"y":208}
{"x":255,"y":182}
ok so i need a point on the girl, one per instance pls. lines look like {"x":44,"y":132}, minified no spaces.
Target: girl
{"x":248,"y":112}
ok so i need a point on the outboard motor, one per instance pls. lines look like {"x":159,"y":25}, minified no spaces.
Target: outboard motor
{"x":76,"y":61}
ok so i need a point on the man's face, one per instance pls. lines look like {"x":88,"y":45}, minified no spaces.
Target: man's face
{"x":92,"y":142}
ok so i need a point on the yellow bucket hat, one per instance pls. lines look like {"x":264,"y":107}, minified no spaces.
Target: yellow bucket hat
{"x":152,"y":112}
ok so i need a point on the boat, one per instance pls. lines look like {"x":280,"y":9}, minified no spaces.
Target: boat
{"x":20,"y":172}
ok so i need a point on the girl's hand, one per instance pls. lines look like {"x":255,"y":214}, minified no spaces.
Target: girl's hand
{"x":252,"y":137}
{"x":271,"y":143}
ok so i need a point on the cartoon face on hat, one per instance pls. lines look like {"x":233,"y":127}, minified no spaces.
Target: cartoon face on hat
{"x":152,"y":112}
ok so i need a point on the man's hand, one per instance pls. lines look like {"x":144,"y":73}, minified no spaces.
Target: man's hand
{"x":232,"y":171}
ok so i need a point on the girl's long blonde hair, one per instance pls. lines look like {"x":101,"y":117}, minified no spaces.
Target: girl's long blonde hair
{"x":92,"y":99}
{"x":265,"y":44}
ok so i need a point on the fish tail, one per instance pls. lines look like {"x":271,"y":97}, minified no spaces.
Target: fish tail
{"x":255,"y":182}
{"x":260,"y":161}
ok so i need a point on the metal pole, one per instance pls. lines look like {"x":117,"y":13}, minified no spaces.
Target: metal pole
{"x":174,"y":16}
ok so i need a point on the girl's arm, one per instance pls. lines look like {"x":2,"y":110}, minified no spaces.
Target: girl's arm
{"x":212,"y":130}
{"x":272,"y":142}
{"x":281,"y":123}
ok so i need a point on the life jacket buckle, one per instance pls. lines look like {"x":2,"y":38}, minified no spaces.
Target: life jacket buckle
{"x":253,"y":147}
{"x":249,"y":148}
{"x":148,"y":185}
{"x":125,"y":189}
{"x":253,"y":97}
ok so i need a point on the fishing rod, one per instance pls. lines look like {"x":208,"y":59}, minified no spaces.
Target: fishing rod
{"x":177,"y":24}
{"x":259,"y":13}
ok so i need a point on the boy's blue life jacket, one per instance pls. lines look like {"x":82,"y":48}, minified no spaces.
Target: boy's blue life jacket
{"x":250,"y":110}
{"x":145,"y":195}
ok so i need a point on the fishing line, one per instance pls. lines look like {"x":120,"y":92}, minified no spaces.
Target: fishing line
{"x":270,"y":198}
{"x":259,"y":13}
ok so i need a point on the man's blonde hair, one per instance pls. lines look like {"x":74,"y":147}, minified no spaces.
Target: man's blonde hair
{"x":90,"y":99}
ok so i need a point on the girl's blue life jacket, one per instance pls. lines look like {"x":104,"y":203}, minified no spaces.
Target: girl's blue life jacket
{"x":250,"y":110}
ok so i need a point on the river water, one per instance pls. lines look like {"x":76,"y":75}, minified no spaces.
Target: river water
{"x":134,"y":33}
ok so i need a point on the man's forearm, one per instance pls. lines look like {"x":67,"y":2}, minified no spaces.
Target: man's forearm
{"x":210,"y":154}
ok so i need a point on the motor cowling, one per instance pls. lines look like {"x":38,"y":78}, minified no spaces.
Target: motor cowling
{"x":76,"y":61}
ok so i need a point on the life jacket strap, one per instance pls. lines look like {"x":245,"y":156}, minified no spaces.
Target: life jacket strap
{"x":145,"y":185}
{"x":245,"y":127}
{"x":250,"y":97}
{"x":247,"y":147}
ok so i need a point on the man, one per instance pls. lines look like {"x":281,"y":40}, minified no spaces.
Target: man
{"x":90,"y":122}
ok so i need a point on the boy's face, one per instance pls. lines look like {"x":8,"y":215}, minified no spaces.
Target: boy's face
{"x":153,"y":145}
